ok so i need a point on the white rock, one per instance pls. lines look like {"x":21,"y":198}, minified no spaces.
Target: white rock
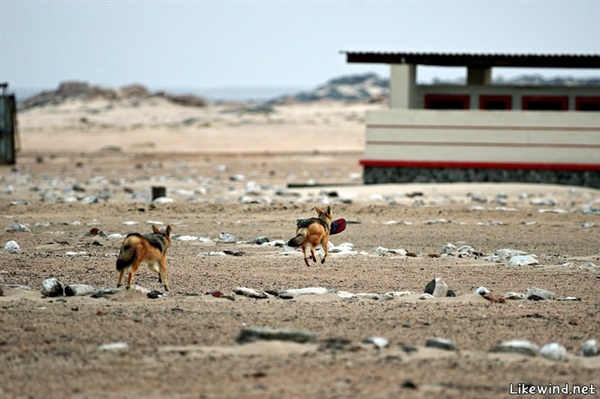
{"x":303,"y":291}
{"x":12,"y":247}
{"x":554,"y":351}
{"x":114,"y":346}
{"x":448,"y":248}
{"x":481,"y":291}
{"x":521,"y":346}
{"x":523,"y":260}
{"x":250,"y":292}
{"x":378,"y":342}
{"x":515,"y":295}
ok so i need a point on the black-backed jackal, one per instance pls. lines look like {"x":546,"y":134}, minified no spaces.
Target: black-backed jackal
{"x":311,"y":232}
{"x":147,"y":248}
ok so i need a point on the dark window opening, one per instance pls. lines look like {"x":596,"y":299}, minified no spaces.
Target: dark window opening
{"x":545,"y":103}
{"x":587,"y":103}
{"x":495,"y":102}
{"x":446,"y":101}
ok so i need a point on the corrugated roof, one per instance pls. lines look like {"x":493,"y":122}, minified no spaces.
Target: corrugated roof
{"x":477,"y":60}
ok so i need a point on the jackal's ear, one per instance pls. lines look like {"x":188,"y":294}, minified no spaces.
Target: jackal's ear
{"x":155,"y":229}
{"x":168,"y":231}
{"x":317,"y":210}
{"x":329,"y":210}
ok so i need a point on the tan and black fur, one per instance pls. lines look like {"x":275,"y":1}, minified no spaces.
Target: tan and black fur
{"x":147,"y":248}
{"x":311,"y":232}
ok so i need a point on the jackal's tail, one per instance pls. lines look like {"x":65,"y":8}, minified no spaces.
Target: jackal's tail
{"x":127,"y":254}
{"x":298,"y":240}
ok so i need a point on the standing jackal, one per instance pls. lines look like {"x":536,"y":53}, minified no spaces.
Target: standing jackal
{"x":312,"y":232}
{"x":148,"y":248}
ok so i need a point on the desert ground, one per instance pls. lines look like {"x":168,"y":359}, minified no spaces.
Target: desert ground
{"x":235,"y":173}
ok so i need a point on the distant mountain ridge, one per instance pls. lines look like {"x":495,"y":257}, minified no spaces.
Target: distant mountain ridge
{"x":368,"y":87}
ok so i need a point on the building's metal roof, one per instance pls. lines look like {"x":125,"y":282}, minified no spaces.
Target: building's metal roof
{"x":477,"y":60}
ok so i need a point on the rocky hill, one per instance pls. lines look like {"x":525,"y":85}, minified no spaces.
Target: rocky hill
{"x":82,"y":90}
{"x":365,"y":87}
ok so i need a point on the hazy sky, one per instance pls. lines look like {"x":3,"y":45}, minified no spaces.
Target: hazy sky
{"x":215,"y":44}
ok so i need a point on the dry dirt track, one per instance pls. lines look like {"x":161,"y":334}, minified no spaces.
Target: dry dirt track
{"x":183,"y":345}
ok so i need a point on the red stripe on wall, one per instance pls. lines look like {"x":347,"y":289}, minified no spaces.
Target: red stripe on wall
{"x":481,"y":144}
{"x":478,"y":165}
{"x":470,"y":127}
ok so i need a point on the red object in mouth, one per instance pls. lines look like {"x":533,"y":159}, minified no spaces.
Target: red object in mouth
{"x":337,"y":226}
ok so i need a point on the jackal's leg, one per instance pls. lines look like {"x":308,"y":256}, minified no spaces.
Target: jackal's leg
{"x":132,"y":271}
{"x":121,"y":273}
{"x":325,"y":245}
{"x":304,"y":254}
{"x":312,"y":254}
{"x":162,"y":274}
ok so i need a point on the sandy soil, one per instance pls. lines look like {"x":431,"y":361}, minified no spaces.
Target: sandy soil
{"x":86,"y":166}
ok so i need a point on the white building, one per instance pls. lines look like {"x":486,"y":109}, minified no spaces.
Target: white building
{"x":480,"y":131}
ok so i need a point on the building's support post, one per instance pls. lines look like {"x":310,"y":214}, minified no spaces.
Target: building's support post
{"x":403,"y":86}
{"x":479,"y":76}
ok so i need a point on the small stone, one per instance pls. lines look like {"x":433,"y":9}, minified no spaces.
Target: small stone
{"x":515,"y":295}
{"x":535,"y":293}
{"x":448,"y":248}
{"x":260,"y":240}
{"x":481,"y":291}
{"x":523,"y":260}
{"x":226,"y":238}
{"x":437,"y":288}
{"x":291,"y":293}
{"x":78,"y":290}
{"x":17,"y":227}
{"x":51,"y":287}
{"x":250,"y":292}
{"x":426,"y":296}
{"x":114,"y":346}
{"x":378,"y":342}
{"x":554,"y":351}
{"x":441,"y":343}
{"x":155,"y":294}
{"x":520,"y":346}
{"x":247,"y":335}
{"x":589,"y":348}
{"x":12,"y":247}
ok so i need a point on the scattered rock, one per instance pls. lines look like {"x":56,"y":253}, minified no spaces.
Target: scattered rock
{"x":437,"y":287}
{"x":515,"y":295}
{"x":554,"y":351}
{"x":523,"y":260}
{"x":114,"y":346}
{"x":78,"y":290}
{"x":250,"y":292}
{"x":17,"y":228}
{"x":155,"y":294}
{"x":247,"y":335}
{"x":520,"y":346}
{"x":51,"y":287}
{"x":291,"y":293}
{"x":378,"y":342}
{"x":12,"y":247}
{"x":260,"y":240}
{"x":589,"y":348}
{"x":536,"y":294}
{"x":441,"y":343}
